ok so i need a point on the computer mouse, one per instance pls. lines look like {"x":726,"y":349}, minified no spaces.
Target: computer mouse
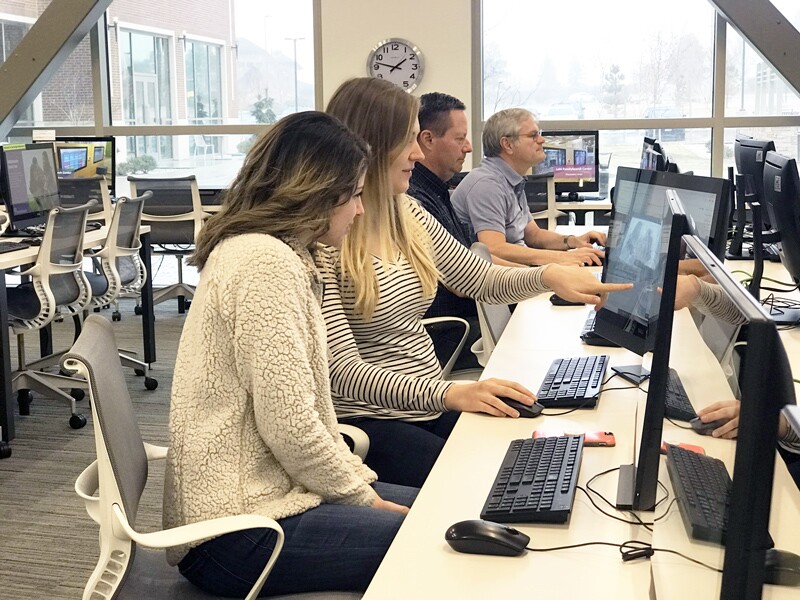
{"x":525,"y":411}
{"x":35,"y":241}
{"x":781,"y":567}
{"x":706,"y":428}
{"x":557,"y":300}
{"x":485,"y":537}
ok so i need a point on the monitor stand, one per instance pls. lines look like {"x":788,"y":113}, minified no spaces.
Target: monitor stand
{"x":636,"y":374}
{"x":626,"y":487}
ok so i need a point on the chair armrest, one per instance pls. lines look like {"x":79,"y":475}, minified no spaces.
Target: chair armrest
{"x":454,"y":357}
{"x":359,"y":437}
{"x":206,"y":529}
{"x":155,"y":452}
{"x":86,"y":485}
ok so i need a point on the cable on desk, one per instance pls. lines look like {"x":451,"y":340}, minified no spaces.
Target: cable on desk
{"x":629,"y":550}
{"x":678,"y":425}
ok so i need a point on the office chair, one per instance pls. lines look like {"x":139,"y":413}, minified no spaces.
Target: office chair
{"x":77,"y":191}
{"x":119,"y":270}
{"x":57,"y":283}
{"x":493,"y":318}
{"x":448,"y":366}
{"x":175,"y":216}
{"x":132,"y":564}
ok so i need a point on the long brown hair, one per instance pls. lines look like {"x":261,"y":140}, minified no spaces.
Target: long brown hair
{"x":384,"y":116}
{"x":295,"y":174}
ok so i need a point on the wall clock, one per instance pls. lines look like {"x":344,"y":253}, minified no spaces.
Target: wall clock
{"x":398,"y":61}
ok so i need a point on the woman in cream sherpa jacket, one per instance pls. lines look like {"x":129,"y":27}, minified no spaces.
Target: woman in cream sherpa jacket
{"x":252,"y":425}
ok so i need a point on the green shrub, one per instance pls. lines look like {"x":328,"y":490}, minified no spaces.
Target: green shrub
{"x":137,"y":164}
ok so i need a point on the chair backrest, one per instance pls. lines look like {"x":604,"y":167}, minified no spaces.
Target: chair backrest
{"x":122,"y":469}
{"x":174,"y":212}
{"x":76,"y":191}
{"x":492,"y":318}
{"x":119,"y":256}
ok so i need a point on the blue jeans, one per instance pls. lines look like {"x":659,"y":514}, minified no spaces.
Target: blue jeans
{"x":333,"y":547}
{"x":403,"y":452}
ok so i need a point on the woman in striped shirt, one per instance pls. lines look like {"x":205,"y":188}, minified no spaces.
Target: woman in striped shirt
{"x":384,"y":373}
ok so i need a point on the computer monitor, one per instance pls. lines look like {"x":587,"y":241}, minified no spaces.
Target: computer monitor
{"x":781,"y":190}
{"x":87,"y":157}
{"x":645,"y":249}
{"x":765,"y":367}
{"x":749,"y":155}
{"x":655,"y":158}
{"x":574,"y":160}
{"x":634,"y":231}
{"x":28,"y":183}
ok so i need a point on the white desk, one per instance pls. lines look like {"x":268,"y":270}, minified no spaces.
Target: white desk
{"x":420,"y":564}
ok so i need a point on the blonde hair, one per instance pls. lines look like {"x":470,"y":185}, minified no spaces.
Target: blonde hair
{"x":292,"y":179}
{"x":383,"y":115}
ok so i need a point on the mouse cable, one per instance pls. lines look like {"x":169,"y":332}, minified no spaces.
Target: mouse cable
{"x":629,"y":550}
{"x":678,"y":425}
{"x":638,"y":520}
{"x":582,"y":404}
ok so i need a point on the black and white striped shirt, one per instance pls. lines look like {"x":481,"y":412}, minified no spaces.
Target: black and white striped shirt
{"x":386,"y":368}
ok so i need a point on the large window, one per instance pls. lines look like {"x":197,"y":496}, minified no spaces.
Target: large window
{"x":203,"y":83}
{"x":11,"y":33}
{"x":575,"y":60}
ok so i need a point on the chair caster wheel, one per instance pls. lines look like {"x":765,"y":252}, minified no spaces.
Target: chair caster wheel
{"x":150,"y":383}
{"x":139,"y":372}
{"x":137,"y":310}
{"x":77,"y":421}
{"x":24,"y":399}
{"x":96,"y":309}
{"x":78,"y":394}
{"x":116,"y":316}
{"x":5,"y":450}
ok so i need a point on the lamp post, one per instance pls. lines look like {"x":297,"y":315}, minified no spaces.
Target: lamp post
{"x":294,"y":41}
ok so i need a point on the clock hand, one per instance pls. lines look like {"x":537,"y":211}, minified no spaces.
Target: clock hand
{"x":385,"y":65}
{"x":397,"y":66}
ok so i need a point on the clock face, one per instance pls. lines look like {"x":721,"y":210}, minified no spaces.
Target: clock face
{"x":398,"y":61}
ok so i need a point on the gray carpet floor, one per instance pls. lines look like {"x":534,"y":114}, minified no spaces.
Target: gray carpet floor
{"x":48,"y":544}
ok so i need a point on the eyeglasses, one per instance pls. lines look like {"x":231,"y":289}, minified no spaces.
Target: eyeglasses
{"x":533,"y":134}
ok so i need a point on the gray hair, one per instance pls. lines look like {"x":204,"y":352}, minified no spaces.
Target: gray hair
{"x":504,"y":123}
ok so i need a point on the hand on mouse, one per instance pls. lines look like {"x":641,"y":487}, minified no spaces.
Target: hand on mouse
{"x":484,"y":396}
{"x":727,"y":410}
{"x":591,"y":237}
{"x":579,"y":285}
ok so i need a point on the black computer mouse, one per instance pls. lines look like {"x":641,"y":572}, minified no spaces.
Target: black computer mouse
{"x":557,"y":300}
{"x":485,"y":537}
{"x":781,"y":567}
{"x":706,"y":428}
{"x":34,"y":241}
{"x":525,"y":411}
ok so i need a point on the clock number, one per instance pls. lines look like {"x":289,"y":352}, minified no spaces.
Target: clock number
{"x":413,"y":56}
{"x":380,"y":76}
{"x":405,"y":84}
{"x":379,"y":57}
{"x":412,"y":76}
{"x":414,"y":66}
{"x":376,"y":67}
{"x":395,"y":46}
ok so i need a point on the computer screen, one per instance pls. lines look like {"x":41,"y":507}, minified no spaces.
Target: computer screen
{"x":72,"y":159}
{"x":655,"y":158}
{"x":635,"y":250}
{"x":781,"y":189}
{"x":573,"y":158}
{"x":28,"y":182}
{"x":87,"y":157}
{"x":765,"y":367}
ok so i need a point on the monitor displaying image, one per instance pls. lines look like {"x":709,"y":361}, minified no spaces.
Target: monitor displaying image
{"x":573,"y":158}
{"x":99,"y":153}
{"x":72,"y":159}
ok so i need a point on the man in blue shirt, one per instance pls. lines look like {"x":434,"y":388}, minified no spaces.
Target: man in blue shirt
{"x":491,"y":200}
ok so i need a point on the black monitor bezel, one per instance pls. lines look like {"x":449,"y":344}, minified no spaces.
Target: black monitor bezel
{"x":110,"y":180}
{"x":564,"y":187}
{"x":741,"y":148}
{"x":103,"y":152}
{"x":18,"y":220}
{"x":765,"y":367}
{"x":607,"y":323}
{"x":784,"y":214}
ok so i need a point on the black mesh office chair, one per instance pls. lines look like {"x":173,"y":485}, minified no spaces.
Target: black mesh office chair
{"x":57,"y":284}
{"x":175,"y":216}
{"x":77,"y":191}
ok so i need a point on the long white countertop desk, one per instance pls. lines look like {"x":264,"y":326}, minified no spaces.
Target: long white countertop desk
{"x":420,"y":564}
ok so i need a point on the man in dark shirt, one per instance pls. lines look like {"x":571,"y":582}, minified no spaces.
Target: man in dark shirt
{"x":443,"y":139}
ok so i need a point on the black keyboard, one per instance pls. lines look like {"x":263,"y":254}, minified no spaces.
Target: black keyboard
{"x":702,"y":487}
{"x":573,"y":382}
{"x":536,"y":481}
{"x":678,"y":406}
{"x":11,"y":246}
{"x":589,"y":336}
